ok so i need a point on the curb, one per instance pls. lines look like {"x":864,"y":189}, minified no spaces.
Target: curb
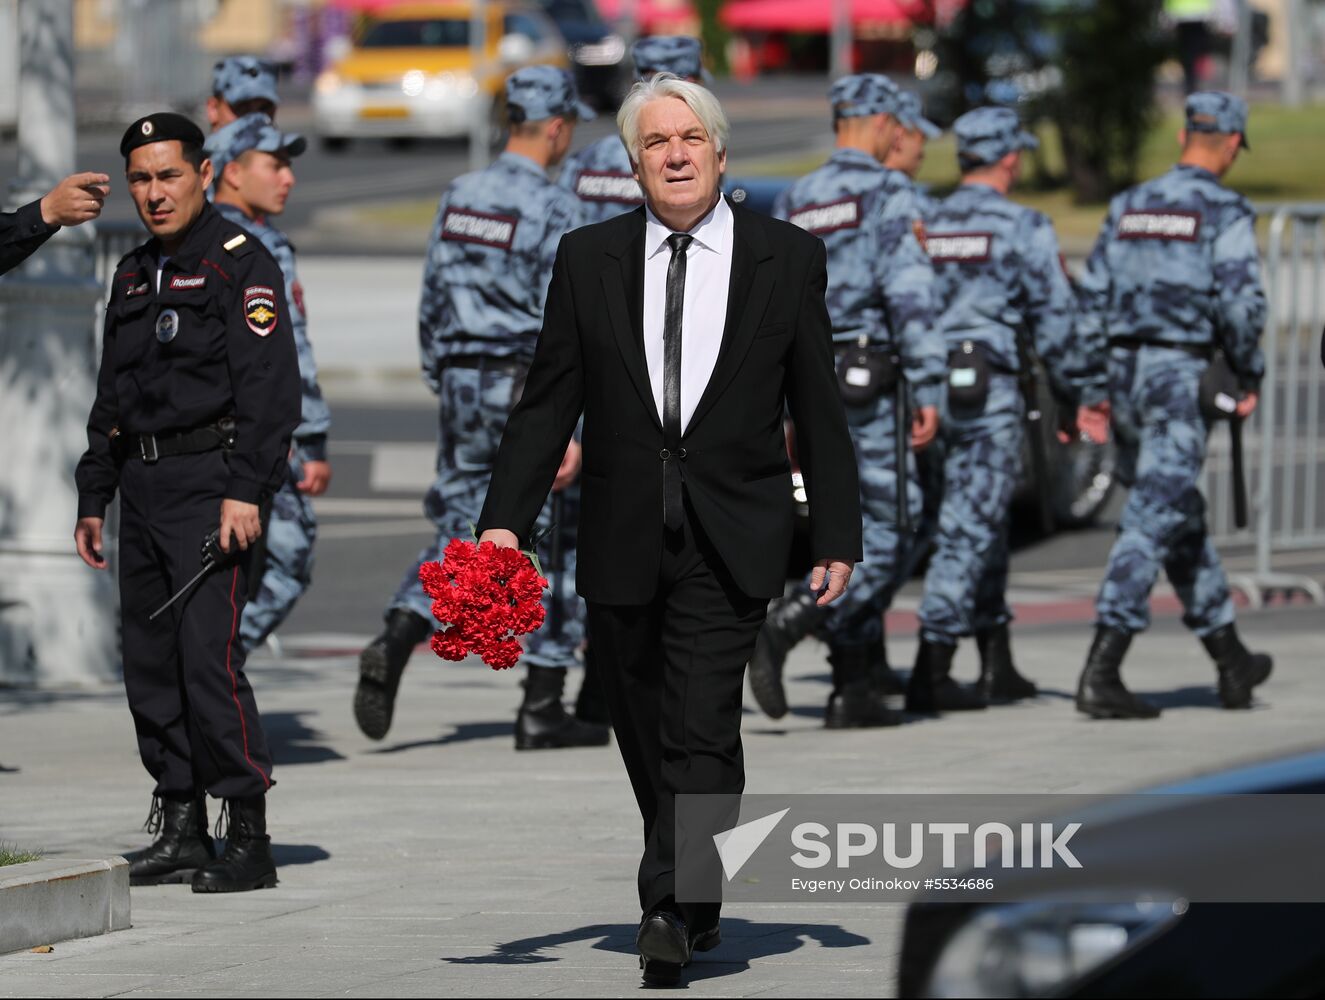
{"x":42,"y":902}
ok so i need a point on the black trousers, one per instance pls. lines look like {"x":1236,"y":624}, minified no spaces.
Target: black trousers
{"x":197,"y":722}
{"x":672,"y":672}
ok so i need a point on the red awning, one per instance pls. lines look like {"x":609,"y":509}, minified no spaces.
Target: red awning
{"x":654,"y":17}
{"x":816,"y":16}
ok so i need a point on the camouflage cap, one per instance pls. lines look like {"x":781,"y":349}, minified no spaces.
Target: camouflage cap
{"x":1215,"y":111}
{"x":252,"y":131}
{"x":911,"y":114}
{"x":245,"y":78}
{"x":862,"y":94}
{"x":986,"y":135}
{"x":536,"y":93}
{"x":677,"y":54}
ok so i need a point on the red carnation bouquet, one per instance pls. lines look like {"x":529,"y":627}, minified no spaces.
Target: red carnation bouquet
{"x":485,"y":596}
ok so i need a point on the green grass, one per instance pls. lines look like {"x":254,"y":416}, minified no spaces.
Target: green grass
{"x":11,"y":855}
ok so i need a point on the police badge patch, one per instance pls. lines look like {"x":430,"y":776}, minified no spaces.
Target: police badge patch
{"x":167,"y":325}
{"x":260,"y":309}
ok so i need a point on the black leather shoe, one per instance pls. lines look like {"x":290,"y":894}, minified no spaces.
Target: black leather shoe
{"x":543,"y":722}
{"x":1240,"y":669}
{"x":930,"y":688}
{"x":247,"y":862}
{"x":381,"y":665}
{"x":1000,"y":681}
{"x":664,"y":948}
{"x":184,"y":845}
{"x":856,"y":701}
{"x":790,"y":619}
{"x":1101,"y":693}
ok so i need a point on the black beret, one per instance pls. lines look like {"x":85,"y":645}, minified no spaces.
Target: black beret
{"x":160,"y":127}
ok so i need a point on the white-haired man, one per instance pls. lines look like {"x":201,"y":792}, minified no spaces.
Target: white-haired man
{"x":681,"y":331}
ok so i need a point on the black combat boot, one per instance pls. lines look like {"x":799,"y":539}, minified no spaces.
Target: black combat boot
{"x":543,"y":722}
{"x":1100,"y":693}
{"x":931,"y":689}
{"x":1000,"y":682}
{"x":380,"y":667}
{"x":183,"y":846}
{"x":591,"y":702}
{"x":1240,"y":669}
{"x":790,"y":619}
{"x":246,"y":863}
{"x":885,"y":678}
{"x":856,"y":701}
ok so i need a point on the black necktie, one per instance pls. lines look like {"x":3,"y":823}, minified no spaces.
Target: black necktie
{"x":672,"y":452}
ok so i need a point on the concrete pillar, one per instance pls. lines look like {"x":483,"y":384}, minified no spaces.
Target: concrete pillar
{"x":57,"y":617}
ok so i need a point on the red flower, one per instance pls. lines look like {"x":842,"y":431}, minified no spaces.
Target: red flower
{"x":486,"y":596}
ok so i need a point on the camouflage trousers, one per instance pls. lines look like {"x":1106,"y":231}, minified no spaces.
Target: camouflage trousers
{"x":1161,"y":443}
{"x":966,"y":583}
{"x":856,"y":617}
{"x":472,"y":416}
{"x":288,"y":567}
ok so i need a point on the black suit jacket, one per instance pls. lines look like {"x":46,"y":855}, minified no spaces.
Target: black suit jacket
{"x":776,"y":353}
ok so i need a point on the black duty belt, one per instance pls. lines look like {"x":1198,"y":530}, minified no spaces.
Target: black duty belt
{"x":1203,"y":351}
{"x":154,"y":447}
{"x":482,"y":362}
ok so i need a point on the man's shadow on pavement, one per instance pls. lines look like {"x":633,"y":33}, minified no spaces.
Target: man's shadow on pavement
{"x":293,"y":741}
{"x":743,"y":941}
{"x":461,"y":733}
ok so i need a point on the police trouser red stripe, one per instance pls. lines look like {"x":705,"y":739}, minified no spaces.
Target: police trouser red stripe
{"x":196,"y":718}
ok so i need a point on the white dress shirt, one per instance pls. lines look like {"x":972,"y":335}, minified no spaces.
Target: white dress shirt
{"x":708,"y":278}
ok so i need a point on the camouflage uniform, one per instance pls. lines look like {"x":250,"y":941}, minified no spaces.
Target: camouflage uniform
{"x":292,"y":530}
{"x":237,"y":79}
{"x":489,"y":261}
{"x":1175,"y":264}
{"x":998,"y":276}
{"x":601,"y":175}
{"x":879,"y":293}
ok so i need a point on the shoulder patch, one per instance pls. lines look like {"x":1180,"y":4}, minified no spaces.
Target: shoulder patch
{"x":466,"y":225}
{"x":608,"y":185}
{"x":959,"y":248}
{"x":828,"y":218}
{"x":260,"y":309}
{"x":1169,"y":225}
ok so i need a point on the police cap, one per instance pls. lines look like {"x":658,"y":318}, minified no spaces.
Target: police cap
{"x":863,"y":94}
{"x":986,"y":135}
{"x":536,"y":93}
{"x":163,"y":126}
{"x":1215,"y":111}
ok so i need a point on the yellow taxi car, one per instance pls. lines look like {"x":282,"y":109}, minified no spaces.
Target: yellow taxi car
{"x":410,"y":72}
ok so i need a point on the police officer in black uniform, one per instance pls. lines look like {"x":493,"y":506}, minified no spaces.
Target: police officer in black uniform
{"x":197,"y":397}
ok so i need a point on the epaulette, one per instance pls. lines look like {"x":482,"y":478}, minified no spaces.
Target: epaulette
{"x":238,"y":245}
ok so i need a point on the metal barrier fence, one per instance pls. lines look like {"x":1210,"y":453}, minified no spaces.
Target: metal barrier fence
{"x":1285,"y":479}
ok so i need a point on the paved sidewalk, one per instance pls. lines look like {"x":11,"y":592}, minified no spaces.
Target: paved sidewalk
{"x":441,"y":862}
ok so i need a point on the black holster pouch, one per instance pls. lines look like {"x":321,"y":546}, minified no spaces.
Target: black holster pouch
{"x":968,"y":380}
{"x":864,"y":373}
{"x":1218,"y":395}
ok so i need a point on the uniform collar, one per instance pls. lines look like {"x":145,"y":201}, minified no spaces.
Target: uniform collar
{"x":855,"y":157}
{"x":521,"y":163}
{"x":1191,"y":168}
{"x":196,"y":240}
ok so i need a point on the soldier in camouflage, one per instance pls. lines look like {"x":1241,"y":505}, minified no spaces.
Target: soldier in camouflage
{"x":880,"y":301}
{"x":1002,"y":293}
{"x":906,"y":156}
{"x":1173,"y":278}
{"x":485,"y":281}
{"x":241,"y":85}
{"x":251,"y":164}
{"x":600,"y":174}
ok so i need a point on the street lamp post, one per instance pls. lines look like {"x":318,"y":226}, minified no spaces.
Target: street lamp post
{"x":57,"y":623}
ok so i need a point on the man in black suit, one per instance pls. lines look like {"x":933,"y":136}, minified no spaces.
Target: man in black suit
{"x":682,"y":331}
